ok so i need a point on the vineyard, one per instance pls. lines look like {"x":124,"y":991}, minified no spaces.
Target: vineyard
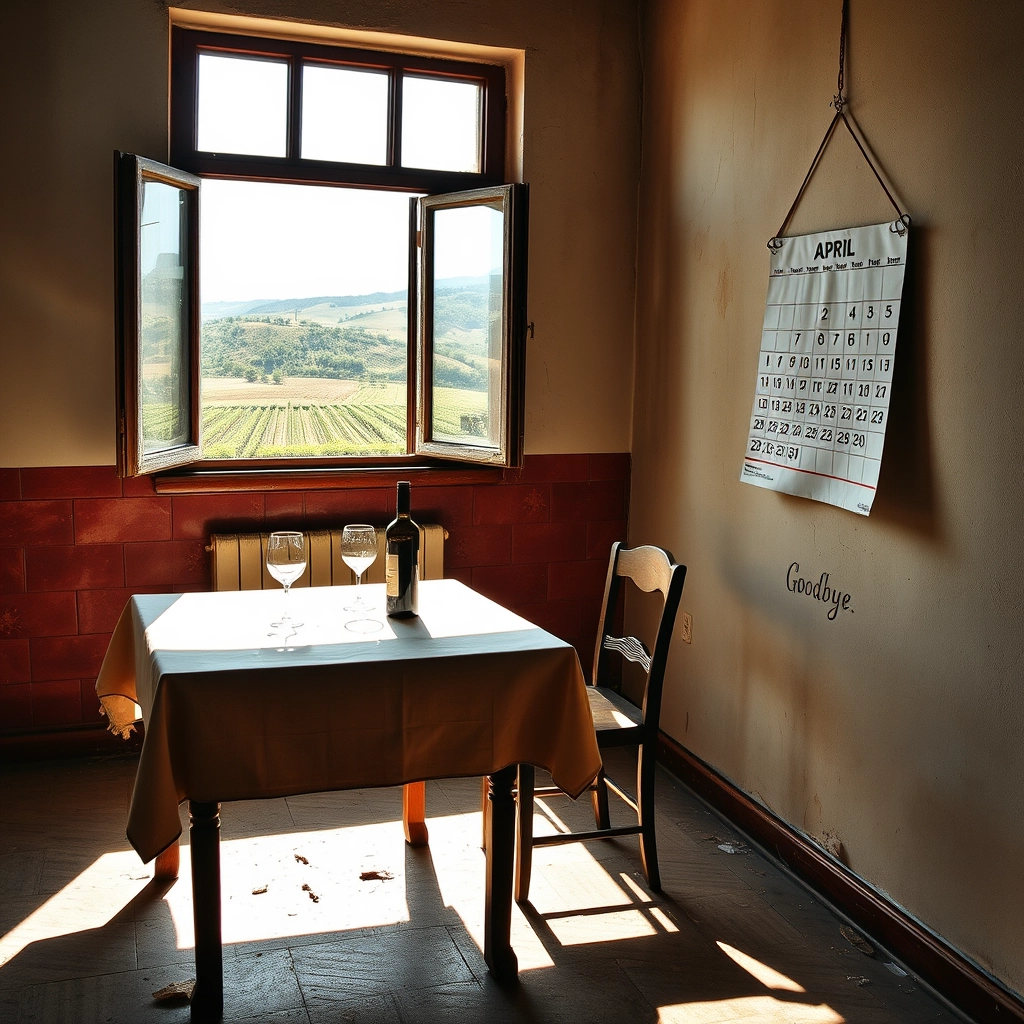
{"x":370,"y":422}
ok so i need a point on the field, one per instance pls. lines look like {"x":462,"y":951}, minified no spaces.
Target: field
{"x":340,"y":418}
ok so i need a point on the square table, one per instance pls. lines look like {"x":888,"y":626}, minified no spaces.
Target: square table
{"x":232,"y":713}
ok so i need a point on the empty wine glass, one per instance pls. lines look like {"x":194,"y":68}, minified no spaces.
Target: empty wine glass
{"x":286,"y":562}
{"x":358,"y":552}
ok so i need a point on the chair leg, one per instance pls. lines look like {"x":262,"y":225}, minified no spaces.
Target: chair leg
{"x":485,"y":810}
{"x":524,"y":833}
{"x":645,"y":792}
{"x":599,"y":798}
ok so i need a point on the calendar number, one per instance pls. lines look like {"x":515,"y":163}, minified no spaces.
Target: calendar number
{"x":859,"y":440}
{"x":824,"y":312}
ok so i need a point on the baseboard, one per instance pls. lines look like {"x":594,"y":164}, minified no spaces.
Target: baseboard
{"x":73,"y":741}
{"x":944,"y":968}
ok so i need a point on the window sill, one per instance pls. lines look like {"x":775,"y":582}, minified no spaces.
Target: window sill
{"x":321,"y":479}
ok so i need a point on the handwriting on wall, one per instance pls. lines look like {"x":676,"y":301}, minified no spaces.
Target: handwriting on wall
{"x":820,"y":589}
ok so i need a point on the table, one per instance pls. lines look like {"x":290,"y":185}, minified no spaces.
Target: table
{"x":231,"y":713}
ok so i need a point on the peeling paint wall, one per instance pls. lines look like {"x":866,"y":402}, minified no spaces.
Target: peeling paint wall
{"x":895,"y":731}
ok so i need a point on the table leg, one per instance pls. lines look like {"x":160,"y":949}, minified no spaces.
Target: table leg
{"x":167,"y":863}
{"x":500,"y":856}
{"x":414,"y":812}
{"x":204,"y":838}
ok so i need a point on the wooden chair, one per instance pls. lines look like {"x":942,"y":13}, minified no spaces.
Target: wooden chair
{"x":617,"y":721}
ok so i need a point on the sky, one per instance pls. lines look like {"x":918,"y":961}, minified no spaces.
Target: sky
{"x":271,"y":241}
{"x":261,"y":240}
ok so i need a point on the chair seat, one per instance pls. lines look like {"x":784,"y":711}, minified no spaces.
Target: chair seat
{"x":615,"y":718}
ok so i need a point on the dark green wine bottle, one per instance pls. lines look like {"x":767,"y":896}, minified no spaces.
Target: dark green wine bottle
{"x":402,"y":548}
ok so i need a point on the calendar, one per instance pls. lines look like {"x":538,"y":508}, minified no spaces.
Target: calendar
{"x":824,"y":375}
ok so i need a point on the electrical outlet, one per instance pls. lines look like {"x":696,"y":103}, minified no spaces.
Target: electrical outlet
{"x":686,"y":629}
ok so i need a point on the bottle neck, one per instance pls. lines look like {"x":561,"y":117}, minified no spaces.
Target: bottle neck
{"x":403,"y":500}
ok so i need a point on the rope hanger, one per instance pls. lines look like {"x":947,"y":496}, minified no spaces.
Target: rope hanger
{"x":839,"y":102}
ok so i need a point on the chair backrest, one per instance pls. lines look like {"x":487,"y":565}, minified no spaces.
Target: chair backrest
{"x":650,"y":568}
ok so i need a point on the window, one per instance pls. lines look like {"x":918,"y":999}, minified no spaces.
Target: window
{"x":332,"y":271}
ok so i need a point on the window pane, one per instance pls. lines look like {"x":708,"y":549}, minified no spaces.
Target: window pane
{"x":344,"y":115}
{"x":243,"y":106}
{"x":467,"y":340}
{"x":441,"y":124}
{"x":164,"y":370}
{"x":304,"y":336}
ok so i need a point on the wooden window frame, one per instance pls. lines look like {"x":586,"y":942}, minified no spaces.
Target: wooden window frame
{"x":131,"y":174}
{"x":187,"y":44}
{"x":215,"y":474}
{"x":514,"y":201}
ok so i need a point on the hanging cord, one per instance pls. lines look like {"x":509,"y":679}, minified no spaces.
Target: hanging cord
{"x":839,"y":102}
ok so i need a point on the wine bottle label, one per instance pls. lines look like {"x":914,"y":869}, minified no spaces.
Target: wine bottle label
{"x":391,"y":574}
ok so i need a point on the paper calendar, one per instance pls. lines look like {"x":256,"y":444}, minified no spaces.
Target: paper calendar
{"x":824,"y":376}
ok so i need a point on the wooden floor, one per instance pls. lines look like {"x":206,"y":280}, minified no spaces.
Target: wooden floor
{"x":329,"y":916}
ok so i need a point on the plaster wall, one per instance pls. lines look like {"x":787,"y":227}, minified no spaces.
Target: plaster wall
{"x":87,"y":79}
{"x":893,"y":734}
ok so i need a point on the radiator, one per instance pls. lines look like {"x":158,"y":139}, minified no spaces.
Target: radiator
{"x":240,"y":560}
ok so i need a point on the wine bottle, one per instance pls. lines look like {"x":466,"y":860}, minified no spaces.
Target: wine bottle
{"x":402,"y":548}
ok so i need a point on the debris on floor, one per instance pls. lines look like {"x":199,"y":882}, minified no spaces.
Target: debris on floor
{"x":178,"y":993}
{"x":375,"y":876}
{"x":301,"y":859}
{"x":312,"y":895}
{"x":732,"y":848}
{"x":896,"y":969}
{"x":859,"y":980}
{"x":260,"y":890}
{"x":856,"y":940}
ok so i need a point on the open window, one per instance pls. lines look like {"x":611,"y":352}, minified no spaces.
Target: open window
{"x":472,"y":283}
{"x":299,"y":316}
{"x":157,"y":231}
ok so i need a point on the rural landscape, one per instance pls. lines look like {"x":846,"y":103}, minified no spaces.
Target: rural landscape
{"x":326,"y":375}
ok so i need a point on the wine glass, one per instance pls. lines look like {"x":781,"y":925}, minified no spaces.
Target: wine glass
{"x":358,"y":552}
{"x":286,"y":562}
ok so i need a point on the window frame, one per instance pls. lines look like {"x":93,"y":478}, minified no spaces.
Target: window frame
{"x":186,"y":47}
{"x":187,"y":44}
{"x":131,"y":174}
{"x":514,"y":201}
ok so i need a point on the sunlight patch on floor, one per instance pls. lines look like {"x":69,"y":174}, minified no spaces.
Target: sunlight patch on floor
{"x":268,"y":884}
{"x":90,"y":900}
{"x":759,"y":1009}
{"x":309,"y":883}
{"x":768,"y":976}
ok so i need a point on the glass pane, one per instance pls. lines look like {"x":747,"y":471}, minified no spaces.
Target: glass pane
{"x":467,"y":339}
{"x":243,"y":106}
{"x":164,"y":369}
{"x":441,"y":124}
{"x":304,"y":335}
{"x":344,"y":115}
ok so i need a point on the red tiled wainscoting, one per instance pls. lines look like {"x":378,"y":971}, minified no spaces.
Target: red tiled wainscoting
{"x":77,"y":542}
